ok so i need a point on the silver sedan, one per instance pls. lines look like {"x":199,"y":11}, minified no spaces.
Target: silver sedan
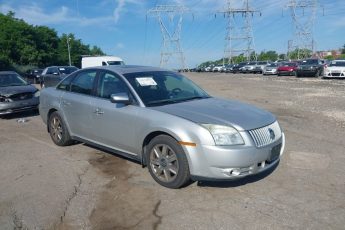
{"x":163,"y":120}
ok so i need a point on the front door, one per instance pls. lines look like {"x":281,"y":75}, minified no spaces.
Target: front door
{"x":115,"y":125}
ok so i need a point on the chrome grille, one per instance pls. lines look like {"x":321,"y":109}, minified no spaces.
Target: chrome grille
{"x":263,"y":136}
{"x":21,"y":96}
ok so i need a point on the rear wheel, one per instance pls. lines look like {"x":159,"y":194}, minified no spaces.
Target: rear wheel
{"x":58,"y":130}
{"x":167,"y":162}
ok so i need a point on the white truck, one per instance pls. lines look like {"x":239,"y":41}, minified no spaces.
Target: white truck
{"x":90,"y":61}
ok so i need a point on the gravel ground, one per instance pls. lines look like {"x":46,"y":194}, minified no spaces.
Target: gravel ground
{"x":43,"y":186}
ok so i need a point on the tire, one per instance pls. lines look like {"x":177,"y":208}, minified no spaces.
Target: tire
{"x":58,"y":130}
{"x":167,"y":162}
{"x":317,"y":74}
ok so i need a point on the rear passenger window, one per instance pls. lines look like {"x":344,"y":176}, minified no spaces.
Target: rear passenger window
{"x":83,"y":82}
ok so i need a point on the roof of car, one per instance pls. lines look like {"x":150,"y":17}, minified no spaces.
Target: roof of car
{"x":123,"y":69}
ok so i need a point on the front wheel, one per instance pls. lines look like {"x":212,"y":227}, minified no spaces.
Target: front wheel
{"x":167,"y":162}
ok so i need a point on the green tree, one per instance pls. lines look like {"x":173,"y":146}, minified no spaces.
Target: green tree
{"x":300,"y":54}
{"x":268,"y":56}
{"x":22,"y":44}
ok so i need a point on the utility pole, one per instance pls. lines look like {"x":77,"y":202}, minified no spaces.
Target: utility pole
{"x":170,"y":19}
{"x":288,"y":55}
{"x":303,"y":13}
{"x":69,"y":50}
{"x":239,"y":37}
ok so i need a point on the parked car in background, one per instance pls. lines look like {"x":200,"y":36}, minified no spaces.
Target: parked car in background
{"x":287,"y":68}
{"x":249,"y":67}
{"x":163,"y":120}
{"x":218,"y":68}
{"x":54,"y":74}
{"x":228,"y":68}
{"x":310,"y":67}
{"x":16,"y":94}
{"x":33,"y":75}
{"x":335,"y":69}
{"x":270,"y":69}
{"x":208,"y":68}
{"x":237,"y":67}
{"x":260,"y":65}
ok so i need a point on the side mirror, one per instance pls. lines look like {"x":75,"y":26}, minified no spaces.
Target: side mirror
{"x":120,"y":98}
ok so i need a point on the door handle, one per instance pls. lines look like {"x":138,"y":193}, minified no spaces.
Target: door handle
{"x":66,"y":103}
{"x":98,"y":111}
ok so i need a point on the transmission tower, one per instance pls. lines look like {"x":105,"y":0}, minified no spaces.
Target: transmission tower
{"x":239,"y":37}
{"x":170,"y":21}
{"x":303,"y":13}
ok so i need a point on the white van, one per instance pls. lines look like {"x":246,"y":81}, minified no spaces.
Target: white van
{"x":100,"y":61}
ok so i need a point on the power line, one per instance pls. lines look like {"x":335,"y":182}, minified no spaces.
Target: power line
{"x":239,"y":33}
{"x":303,"y":13}
{"x":171,"y":31}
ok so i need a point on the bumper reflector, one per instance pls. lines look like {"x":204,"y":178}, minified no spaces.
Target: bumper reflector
{"x":187,"y":143}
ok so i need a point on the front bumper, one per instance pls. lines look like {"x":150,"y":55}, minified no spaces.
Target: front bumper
{"x":228,"y":163}
{"x":269,"y":72}
{"x":334,"y":74}
{"x":286,"y":72}
{"x":307,"y":72}
{"x":19,"y":106}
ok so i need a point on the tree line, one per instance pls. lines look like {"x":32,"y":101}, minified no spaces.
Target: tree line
{"x":24,"y":46}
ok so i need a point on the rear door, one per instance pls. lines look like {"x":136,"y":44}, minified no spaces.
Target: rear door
{"x":76,"y":103}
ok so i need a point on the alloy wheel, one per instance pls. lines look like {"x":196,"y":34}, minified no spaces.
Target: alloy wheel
{"x":164,"y":163}
{"x":56,"y":129}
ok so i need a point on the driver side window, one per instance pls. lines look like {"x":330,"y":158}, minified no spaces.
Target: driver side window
{"x":110,"y":84}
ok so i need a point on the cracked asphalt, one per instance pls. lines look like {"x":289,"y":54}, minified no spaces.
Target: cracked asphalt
{"x":43,"y":186}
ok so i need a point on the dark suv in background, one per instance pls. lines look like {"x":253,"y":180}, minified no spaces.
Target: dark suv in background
{"x":310,"y":67}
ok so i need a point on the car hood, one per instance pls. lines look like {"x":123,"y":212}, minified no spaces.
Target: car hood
{"x":11,"y":90}
{"x":219,"y":111}
{"x":342,"y":68}
{"x":286,"y":67}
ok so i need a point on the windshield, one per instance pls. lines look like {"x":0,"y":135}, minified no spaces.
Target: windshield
{"x":273,"y":65}
{"x":337,"y":63}
{"x":164,"y":87}
{"x":310,"y":62}
{"x":115,"y":62}
{"x":67,"y":70}
{"x":11,"y":79}
{"x":290,"y":64}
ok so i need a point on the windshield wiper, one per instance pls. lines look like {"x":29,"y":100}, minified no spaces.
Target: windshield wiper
{"x":161,"y":102}
{"x":193,"y":98}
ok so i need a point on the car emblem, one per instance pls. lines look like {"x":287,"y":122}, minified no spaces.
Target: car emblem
{"x":272,"y":134}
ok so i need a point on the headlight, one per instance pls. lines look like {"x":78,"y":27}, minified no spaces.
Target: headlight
{"x":37,"y":94}
{"x":224,"y":135}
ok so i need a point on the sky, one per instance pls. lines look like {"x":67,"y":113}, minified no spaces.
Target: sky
{"x":123,"y":28}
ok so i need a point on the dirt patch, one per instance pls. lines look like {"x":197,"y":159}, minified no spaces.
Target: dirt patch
{"x":337,"y":115}
{"x":306,"y":160}
{"x":122,"y":205}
